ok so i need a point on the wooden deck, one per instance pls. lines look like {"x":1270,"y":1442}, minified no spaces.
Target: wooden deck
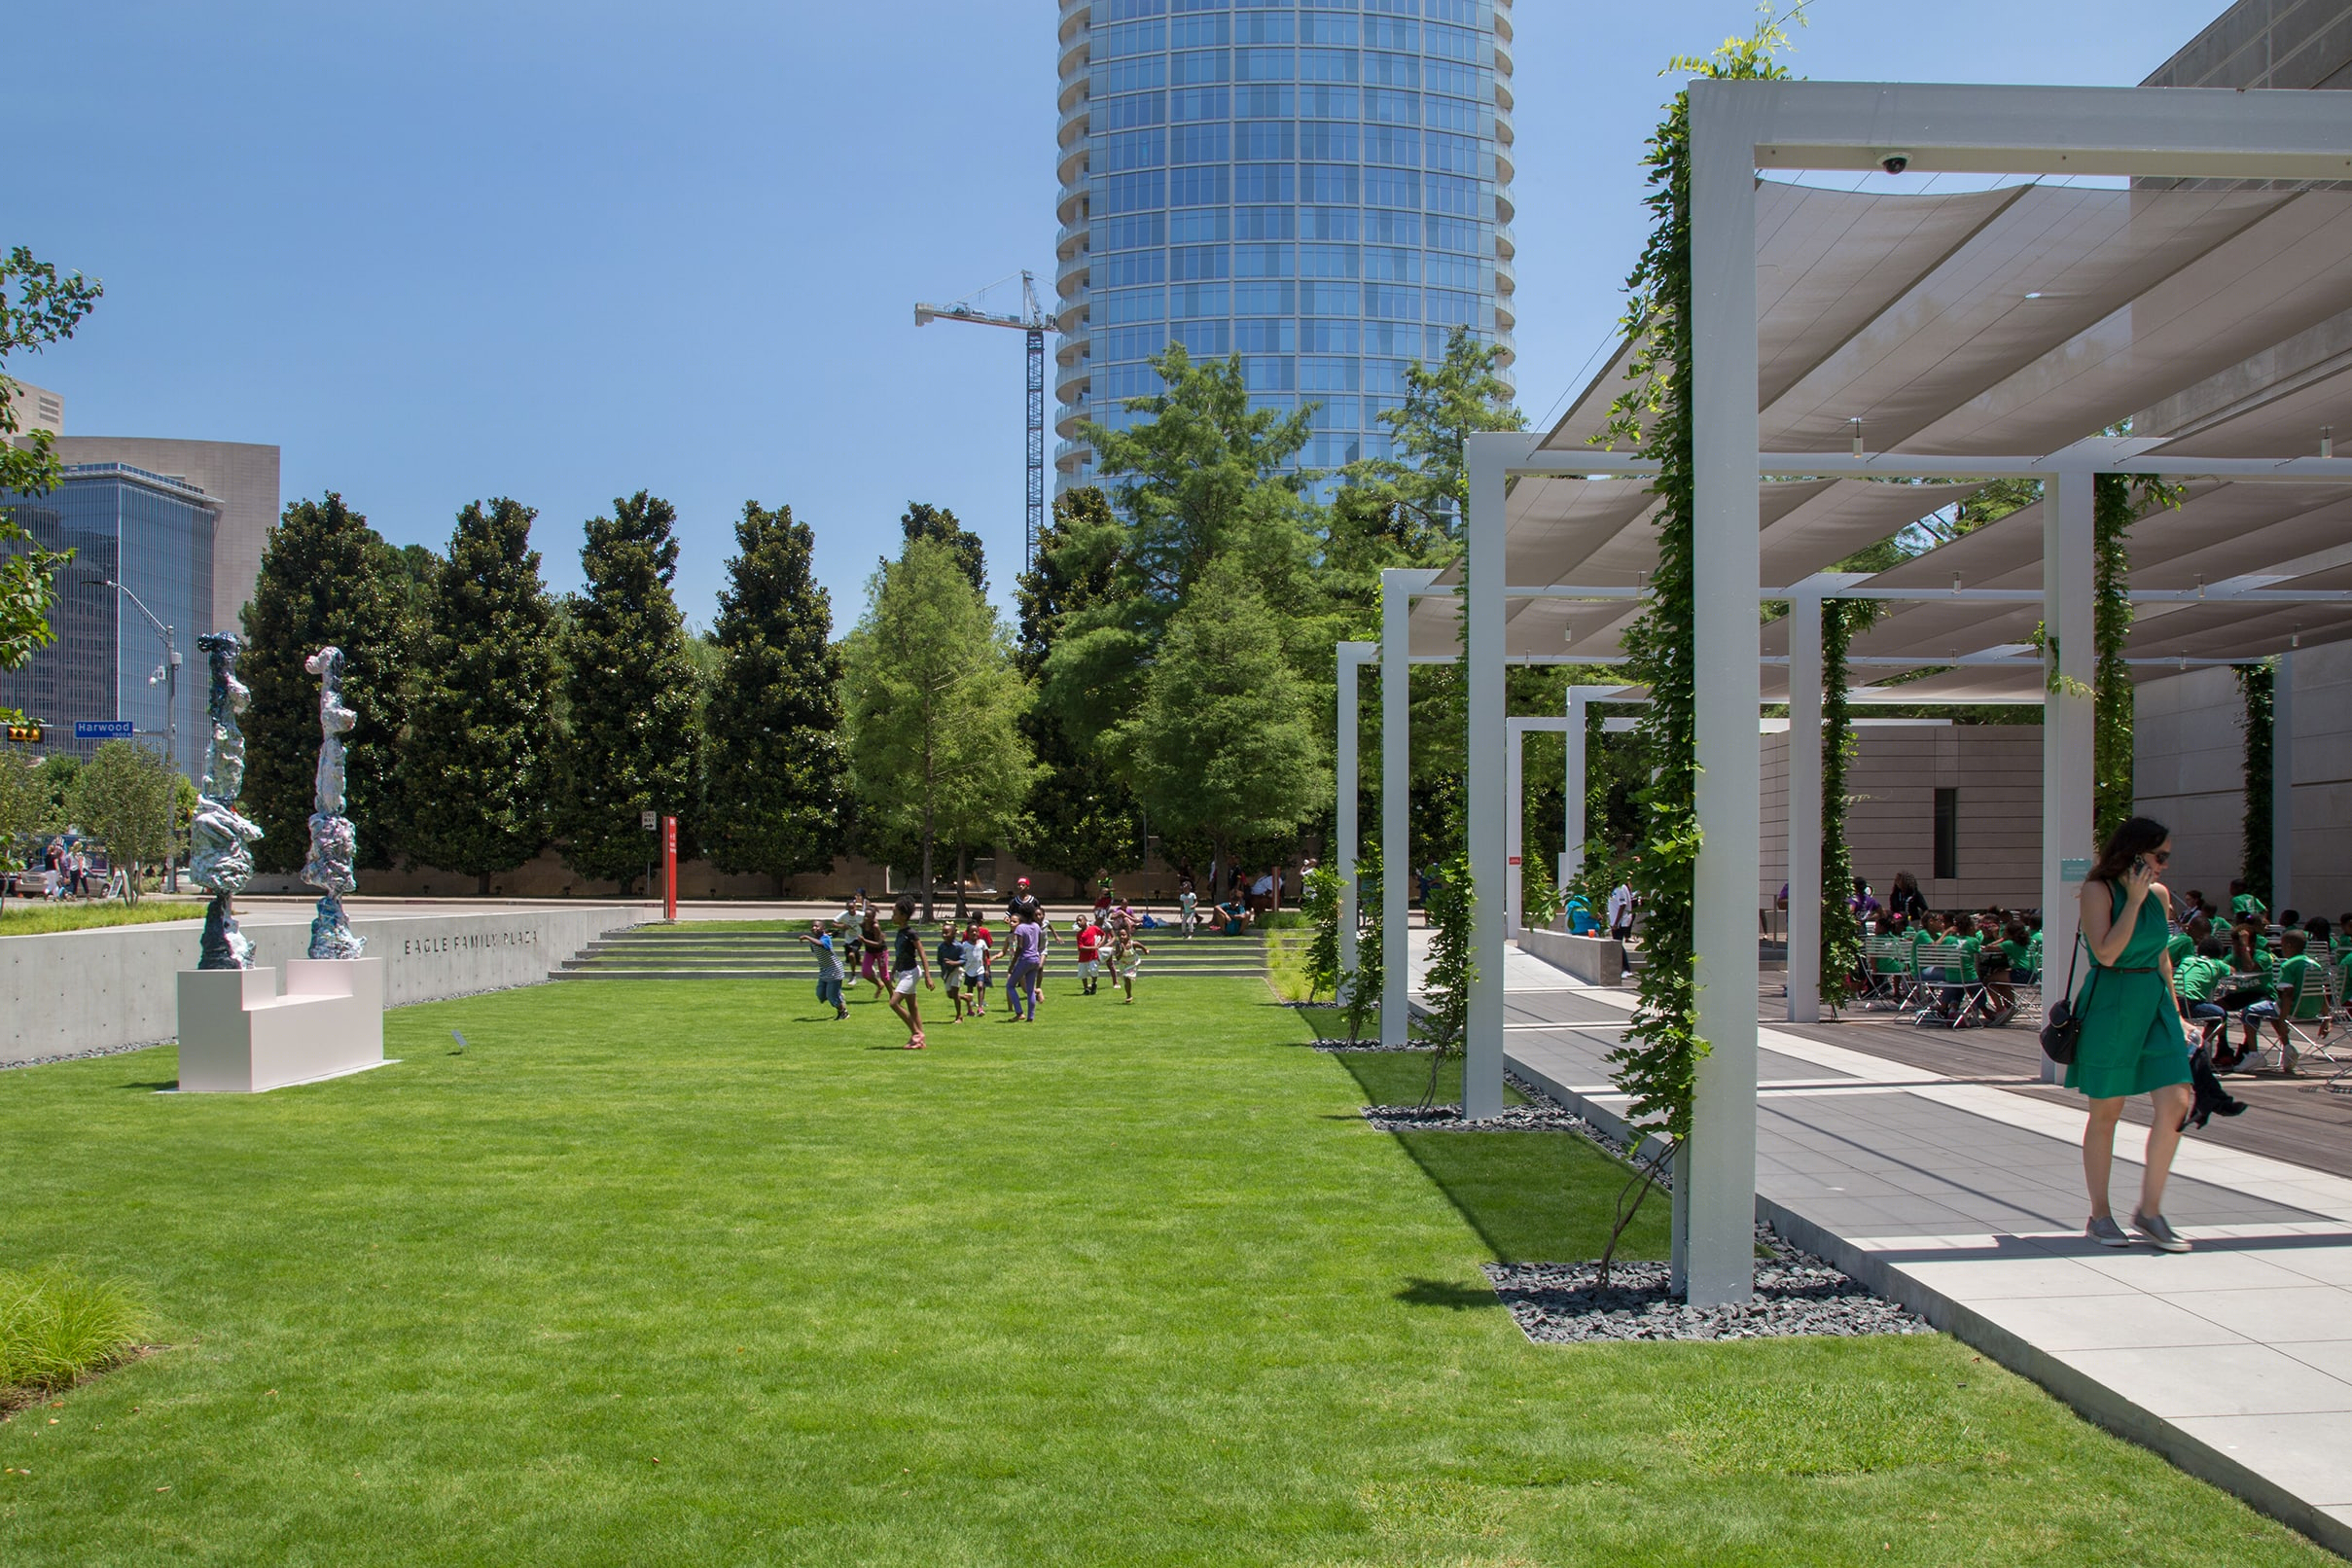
{"x":2291,"y":1119}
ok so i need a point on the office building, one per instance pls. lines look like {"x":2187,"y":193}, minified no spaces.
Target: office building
{"x":1322,"y":188}
{"x":154,"y":535}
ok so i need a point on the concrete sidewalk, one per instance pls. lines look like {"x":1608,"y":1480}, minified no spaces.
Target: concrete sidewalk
{"x":1964,"y":1202}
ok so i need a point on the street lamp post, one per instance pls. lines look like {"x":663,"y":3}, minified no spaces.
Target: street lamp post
{"x":171,"y":705}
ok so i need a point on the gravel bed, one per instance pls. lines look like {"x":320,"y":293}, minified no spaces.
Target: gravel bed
{"x":86,"y":1056}
{"x":1796,"y":1294}
{"x":1317,"y":1007}
{"x":1540,"y":1117}
{"x":1343,"y":1046}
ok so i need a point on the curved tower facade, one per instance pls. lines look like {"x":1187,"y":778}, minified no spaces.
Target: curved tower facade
{"x":1322,"y":186}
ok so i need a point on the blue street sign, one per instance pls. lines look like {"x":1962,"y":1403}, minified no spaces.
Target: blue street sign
{"x":103,"y":730}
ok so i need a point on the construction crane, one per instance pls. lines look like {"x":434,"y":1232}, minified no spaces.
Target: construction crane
{"x":1031,"y":320}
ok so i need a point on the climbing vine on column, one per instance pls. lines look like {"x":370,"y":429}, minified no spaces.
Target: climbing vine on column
{"x":2118,"y":501}
{"x":2257,"y":684}
{"x":1840,"y":923}
{"x":1657,"y":1064}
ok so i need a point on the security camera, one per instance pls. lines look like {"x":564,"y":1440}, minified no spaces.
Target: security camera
{"x":1895,"y":162}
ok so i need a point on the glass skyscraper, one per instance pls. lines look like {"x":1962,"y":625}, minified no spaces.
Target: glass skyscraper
{"x":1322,"y":186}
{"x":154,"y":536}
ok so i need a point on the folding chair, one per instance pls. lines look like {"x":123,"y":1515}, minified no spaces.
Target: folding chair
{"x":2310,"y":1004}
{"x":1960,"y":989}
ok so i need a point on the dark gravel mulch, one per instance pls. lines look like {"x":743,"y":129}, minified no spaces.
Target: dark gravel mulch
{"x":1796,"y":1294}
{"x":1537,"y":1116}
{"x":1344,"y":1046}
{"x":86,"y":1056}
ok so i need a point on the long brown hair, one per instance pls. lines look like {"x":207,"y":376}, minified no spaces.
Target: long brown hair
{"x":2136,"y":836}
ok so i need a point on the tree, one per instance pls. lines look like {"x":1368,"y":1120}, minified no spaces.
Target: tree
{"x":772,"y":728}
{"x":1082,"y":816}
{"x":326,"y":578}
{"x":123,"y":799}
{"x":1421,"y":494}
{"x":46,"y":311}
{"x":632,"y":690}
{"x":478,"y":765}
{"x":1225,"y":743}
{"x":934,"y":703}
{"x":24,"y":802}
{"x":1202,"y":478}
{"x":925,"y":521}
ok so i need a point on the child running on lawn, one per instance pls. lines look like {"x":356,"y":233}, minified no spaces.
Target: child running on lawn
{"x":828,"y":968}
{"x":951,"y":968}
{"x":910,"y":964}
{"x":1089,"y":954}
{"x":976,"y":969}
{"x":1127,"y":958}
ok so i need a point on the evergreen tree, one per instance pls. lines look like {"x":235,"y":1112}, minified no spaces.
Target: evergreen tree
{"x":933,"y":704}
{"x":1418,"y":498}
{"x":326,"y":578}
{"x":477,"y":766}
{"x":1225,"y":743}
{"x":632,"y":691}
{"x":772,"y":725}
{"x":1082,"y":816}
{"x":925,"y":521}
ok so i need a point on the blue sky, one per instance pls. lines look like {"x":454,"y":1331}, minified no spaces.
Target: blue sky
{"x":567,"y":251}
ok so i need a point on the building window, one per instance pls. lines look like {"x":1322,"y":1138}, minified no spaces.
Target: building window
{"x":1948,"y":834}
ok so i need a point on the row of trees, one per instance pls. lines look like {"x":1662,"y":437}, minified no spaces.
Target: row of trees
{"x":1169,"y":673}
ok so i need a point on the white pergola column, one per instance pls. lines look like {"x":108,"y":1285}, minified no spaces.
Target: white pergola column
{"x":1805,"y":808}
{"x":1718,"y":1167}
{"x":2282,"y":786}
{"x":2069,"y":782}
{"x":1398,"y":586}
{"x":1345,"y":745}
{"x":1515,"y":878}
{"x":1483,"y":687}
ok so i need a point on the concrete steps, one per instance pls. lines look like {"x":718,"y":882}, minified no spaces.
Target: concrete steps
{"x":683,"y":952}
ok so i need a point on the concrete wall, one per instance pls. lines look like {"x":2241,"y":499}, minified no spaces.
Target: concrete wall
{"x":2189,"y":764}
{"x":85,"y":990}
{"x":1594,"y":960}
{"x":1891,"y":825}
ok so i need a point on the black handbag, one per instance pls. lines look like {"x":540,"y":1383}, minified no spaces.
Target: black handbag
{"x":2062,"y":1021}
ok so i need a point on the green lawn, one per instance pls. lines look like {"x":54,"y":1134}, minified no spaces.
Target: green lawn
{"x":31,"y":918}
{"x":664,"y":1272}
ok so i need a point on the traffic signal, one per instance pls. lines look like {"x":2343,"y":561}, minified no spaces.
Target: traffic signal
{"x":28,"y":734}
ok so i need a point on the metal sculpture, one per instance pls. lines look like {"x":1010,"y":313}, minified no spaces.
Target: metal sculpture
{"x":219,"y":859}
{"x":334,"y":844}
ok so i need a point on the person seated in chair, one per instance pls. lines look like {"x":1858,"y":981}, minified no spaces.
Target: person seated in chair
{"x":2296,"y":994}
{"x":2195,"y":980}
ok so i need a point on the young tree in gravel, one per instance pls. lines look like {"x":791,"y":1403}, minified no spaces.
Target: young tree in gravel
{"x":933,"y":704}
{"x":45,"y":310}
{"x":23,"y":805}
{"x":326,"y":578}
{"x":478,"y":764}
{"x":1082,"y":817}
{"x":122,"y":797}
{"x":1225,"y":743}
{"x":630,"y":687}
{"x":1318,"y":896}
{"x":922,"y":521}
{"x":1361,"y":986}
{"x":1453,"y":967}
{"x":772,"y":728}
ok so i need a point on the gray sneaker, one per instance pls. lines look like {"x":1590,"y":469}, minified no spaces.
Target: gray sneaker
{"x":2157,"y":1232}
{"x":2104,"y":1230}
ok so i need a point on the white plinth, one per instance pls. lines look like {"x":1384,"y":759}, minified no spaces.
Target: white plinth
{"x":239,"y":1034}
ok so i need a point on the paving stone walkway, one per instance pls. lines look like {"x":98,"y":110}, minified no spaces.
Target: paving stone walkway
{"x":1962,"y":1202}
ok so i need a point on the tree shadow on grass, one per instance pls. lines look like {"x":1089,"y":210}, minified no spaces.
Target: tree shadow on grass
{"x":156,"y":1088}
{"x":1530,"y":1196}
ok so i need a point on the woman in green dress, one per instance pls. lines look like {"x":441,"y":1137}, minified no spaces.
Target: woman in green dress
{"x":2131,"y":1042}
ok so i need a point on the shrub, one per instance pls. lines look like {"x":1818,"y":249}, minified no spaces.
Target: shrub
{"x":58,"y":1326}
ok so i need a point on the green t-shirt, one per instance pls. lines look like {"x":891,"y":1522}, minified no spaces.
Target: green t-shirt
{"x":2197,"y":976}
{"x":2247,"y":904}
{"x":2291,"y":975}
{"x":2182,"y":947}
{"x":2020,"y":954}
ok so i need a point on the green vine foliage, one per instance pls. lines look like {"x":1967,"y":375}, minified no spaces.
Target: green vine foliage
{"x":1539,"y":895}
{"x":2118,"y":501}
{"x":2257,"y":683}
{"x":1360,"y":988}
{"x":1320,"y":893}
{"x":1841,"y":924}
{"x":1452,"y":966}
{"x":1657,"y":1064}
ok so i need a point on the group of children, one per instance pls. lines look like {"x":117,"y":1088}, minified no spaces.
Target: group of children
{"x":2219,"y":969}
{"x":966,"y":955}
{"x":1996,"y":943}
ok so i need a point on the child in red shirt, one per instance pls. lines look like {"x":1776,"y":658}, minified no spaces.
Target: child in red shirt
{"x":1090,"y":953}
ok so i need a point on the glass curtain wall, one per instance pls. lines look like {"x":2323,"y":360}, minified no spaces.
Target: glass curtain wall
{"x":1322,"y":188}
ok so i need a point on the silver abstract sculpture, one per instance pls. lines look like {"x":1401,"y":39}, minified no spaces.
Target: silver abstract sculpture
{"x":334,"y":844}
{"x":218,"y":858}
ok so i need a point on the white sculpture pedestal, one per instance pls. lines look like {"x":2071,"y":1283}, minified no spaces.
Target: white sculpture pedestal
{"x":241,"y":1035}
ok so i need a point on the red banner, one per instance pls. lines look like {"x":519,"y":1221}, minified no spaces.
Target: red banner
{"x":669,"y":868}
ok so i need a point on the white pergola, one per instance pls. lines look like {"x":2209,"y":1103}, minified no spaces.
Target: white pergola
{"x":1849,"y":341}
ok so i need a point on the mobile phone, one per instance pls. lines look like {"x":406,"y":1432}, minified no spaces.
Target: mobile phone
{"x":2139,"y":863}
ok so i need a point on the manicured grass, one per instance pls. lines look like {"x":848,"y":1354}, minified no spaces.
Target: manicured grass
{"x":1133,"y":1285}
{"x":32,"y":917}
